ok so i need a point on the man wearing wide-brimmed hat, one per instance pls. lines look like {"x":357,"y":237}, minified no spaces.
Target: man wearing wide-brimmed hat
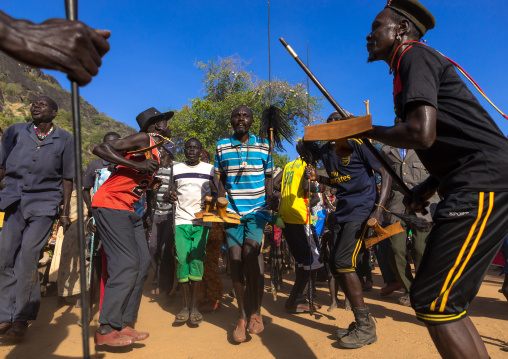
{"x":121,"y":229}
{"x":465,"y":153}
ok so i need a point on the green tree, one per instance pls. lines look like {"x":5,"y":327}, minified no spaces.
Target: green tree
{"x":226,"y":85}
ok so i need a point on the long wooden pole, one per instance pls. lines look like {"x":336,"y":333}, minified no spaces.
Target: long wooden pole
{"x":403,"y":187}
{"x":71,"y":9}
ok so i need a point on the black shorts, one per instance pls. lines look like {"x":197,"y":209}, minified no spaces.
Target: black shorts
{"x":469,"y":230}
{"x":346,"y":244}
{"x":297,"y":239}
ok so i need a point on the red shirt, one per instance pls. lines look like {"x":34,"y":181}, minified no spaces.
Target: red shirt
{"x":126,"y":185}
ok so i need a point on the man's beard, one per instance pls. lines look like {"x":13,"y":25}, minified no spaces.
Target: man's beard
{"x":371,"y":58}
{"x":241,"y":131}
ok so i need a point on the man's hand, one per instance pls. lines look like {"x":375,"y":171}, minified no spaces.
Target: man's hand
{"x":421,"y":195}
{"x":148,"y":165}
{"x":377,"y":214}
{"x":170,"y":196}
{"x":65,"y":222}
{"x":57,"y":44}
{"x":90,"y":227}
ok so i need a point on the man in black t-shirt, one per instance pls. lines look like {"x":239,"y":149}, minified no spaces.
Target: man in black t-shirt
{"x":465,"y":154}
{"x":350,"y":167}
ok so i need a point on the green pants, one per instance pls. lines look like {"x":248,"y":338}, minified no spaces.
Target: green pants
{"x":190,"y":244}
{"x":398,"y":259}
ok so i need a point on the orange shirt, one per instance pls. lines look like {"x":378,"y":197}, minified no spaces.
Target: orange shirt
{"x":126,"y":185}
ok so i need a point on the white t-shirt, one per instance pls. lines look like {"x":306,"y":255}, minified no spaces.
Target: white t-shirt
{"x":192,"y":185}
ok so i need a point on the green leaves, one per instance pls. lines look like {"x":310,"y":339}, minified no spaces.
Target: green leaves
{"x":227,"y":85}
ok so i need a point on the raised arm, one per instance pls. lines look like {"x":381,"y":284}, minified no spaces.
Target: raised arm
{"x":57,"y":44}
{"x":110,"y":151}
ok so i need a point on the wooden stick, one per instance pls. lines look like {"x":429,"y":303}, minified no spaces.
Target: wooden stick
{"x":71,"y":10}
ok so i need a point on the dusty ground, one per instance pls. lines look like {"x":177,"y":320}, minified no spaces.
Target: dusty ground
{"x":56,"y":335}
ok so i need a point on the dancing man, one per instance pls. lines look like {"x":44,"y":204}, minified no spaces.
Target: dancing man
{"x":37,"y":163}
{"x":193,"y":181}
{"x":243,"y":163}
{"x":465,"y":154}
{"x":300,"y":233}
{"x":350,"y":167}
{"x":121,"y":229}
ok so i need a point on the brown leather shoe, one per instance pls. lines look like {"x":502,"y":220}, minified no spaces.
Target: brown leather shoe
{"x":239,"y":334}
{"x":113,"y":339}
{"x":4,"y":327}
{"x":390,"y":288}
{"x":131,"y":332}
{"x":256,"y":324}
{"x":17,"y":330}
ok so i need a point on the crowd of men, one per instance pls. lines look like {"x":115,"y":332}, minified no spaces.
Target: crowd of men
{"x":435,"y":114}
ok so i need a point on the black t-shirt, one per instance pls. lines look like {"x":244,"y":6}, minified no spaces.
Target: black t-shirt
{"x":470,"y":152}
{"x":354,"y":179}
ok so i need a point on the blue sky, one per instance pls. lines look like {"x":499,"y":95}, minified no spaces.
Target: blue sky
{"x":154,"y":46}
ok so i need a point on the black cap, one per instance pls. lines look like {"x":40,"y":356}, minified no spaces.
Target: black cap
{"x":414,"y":12}
{"x":147,"y":117}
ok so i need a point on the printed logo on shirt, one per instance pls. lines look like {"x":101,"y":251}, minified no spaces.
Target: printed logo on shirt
{"x":338,"y":179}
{"x":456,"y":214}
{"x":345,"y":161}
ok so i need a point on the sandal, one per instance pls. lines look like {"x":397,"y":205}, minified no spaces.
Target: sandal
{"x":404,"y":300}
{"x":196,"y":318}
{"x":183,"y":316}
{"x":256,"y":324}
{"x":239,"y":334}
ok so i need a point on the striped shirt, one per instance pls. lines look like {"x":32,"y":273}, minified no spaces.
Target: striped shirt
{"x":245,"y":167}
{"x":162,"y":205}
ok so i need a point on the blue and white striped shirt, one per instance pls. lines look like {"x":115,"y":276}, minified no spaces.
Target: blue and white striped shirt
{"x":245,"y":167}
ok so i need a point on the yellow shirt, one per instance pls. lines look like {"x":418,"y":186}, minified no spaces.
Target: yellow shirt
{"x":294,"y":199}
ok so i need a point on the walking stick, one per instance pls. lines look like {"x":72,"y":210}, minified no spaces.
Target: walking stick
{"x":403,"y":187}
{"x":71,"y":10}
{"x":274,"y":265}
{"x":171,"y":177}
{"x":96,"y":184}
{"x":311,"y":294}
{"x":309,"y":234}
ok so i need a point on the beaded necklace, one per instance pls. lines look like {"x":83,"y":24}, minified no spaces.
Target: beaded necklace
{"x":41,"y":137}
{"x":160,"y":136}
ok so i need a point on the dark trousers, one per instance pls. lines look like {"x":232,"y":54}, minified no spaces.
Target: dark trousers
{"x":21,"y":242}
{"x":398,"y":257}
{"x":124,"y":242}
{"x":161,"y":251}
{"x":382,"y":250}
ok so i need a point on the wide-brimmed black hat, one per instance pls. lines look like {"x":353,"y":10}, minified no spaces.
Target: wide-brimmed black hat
{"x":147,"y":117}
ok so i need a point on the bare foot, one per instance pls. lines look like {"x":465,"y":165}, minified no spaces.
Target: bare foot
{"x":332,"y":306}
